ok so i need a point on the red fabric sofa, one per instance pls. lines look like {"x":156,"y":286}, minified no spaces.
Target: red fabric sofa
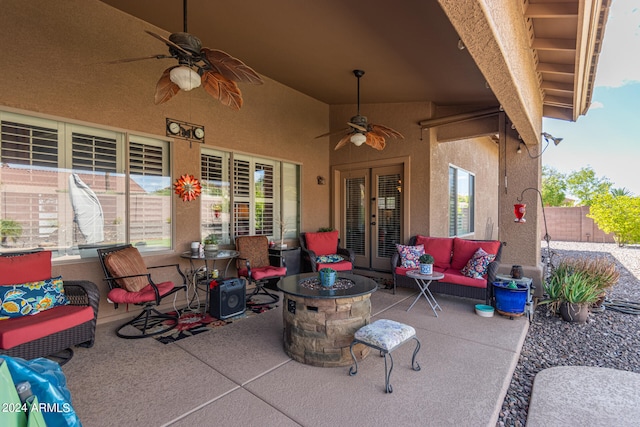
{"x":450,"y":257}
{"x":51,"y":330}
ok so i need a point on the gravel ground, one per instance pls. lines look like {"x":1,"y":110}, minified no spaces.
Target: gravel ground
{"x":609,"y":339}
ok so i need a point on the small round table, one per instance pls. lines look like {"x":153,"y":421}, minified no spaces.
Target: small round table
{"x":423,"y":281}
{"x":320,"y":323}
{"x":213,"y":256}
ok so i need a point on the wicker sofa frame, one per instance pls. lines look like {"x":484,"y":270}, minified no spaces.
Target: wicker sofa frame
{"x":454,"y":289}
{"x":79,"y":292}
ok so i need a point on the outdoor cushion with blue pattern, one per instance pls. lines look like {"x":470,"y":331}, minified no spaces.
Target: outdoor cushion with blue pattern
{"x":409,"y":255}
{"x":31,"y":298}
{"x":385,"y":334}
{"x":328,"y":259}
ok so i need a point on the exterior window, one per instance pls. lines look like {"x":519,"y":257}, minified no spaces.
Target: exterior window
{"x":461,"y":201}
{"x":246,"y":195}
{"x":64,"y":187}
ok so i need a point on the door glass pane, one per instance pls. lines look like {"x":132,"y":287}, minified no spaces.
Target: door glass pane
{"x":355,"y":215}
{"x":388,"y":214}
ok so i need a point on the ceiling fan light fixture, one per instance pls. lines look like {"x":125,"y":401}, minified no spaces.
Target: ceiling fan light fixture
{"x":358,"y":139}
{"x":185,"y":78}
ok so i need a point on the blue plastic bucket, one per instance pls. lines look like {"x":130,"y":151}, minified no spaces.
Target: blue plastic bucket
{"x":510,"y":300}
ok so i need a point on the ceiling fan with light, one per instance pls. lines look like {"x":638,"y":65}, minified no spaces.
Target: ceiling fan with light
{"x":361,"y":132}
{"x":216,"y":71}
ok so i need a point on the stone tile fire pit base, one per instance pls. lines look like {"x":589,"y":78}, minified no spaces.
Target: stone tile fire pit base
{"x":319,"y":331}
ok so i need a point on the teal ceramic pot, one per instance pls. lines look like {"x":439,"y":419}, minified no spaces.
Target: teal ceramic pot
{"x":327,"y":277}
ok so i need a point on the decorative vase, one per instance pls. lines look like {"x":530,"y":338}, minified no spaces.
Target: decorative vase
{"x":210,"y":247}
{"x":574,"y":312}
{"x":327,"y":277}
{"x":426,"y":268}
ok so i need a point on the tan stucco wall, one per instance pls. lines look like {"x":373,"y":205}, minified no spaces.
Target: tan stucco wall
{"x":54,"y":56}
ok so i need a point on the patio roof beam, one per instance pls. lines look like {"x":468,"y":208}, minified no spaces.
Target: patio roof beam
{"x":439,"y":121}
{"x":553,"y":68}
{"x":552,"y":10}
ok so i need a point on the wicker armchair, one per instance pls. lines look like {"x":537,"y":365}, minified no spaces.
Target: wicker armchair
{"x":80,"y":293}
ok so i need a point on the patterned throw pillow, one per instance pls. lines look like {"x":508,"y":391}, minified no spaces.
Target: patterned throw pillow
{"x":128,"y":262}
{"x":328,"y":259}
{"x":409,"y":255}
{"x":477,"y":266}
{"x":31,"y":298}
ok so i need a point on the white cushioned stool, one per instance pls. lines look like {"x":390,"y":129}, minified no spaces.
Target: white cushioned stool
{"x":385,"y":335}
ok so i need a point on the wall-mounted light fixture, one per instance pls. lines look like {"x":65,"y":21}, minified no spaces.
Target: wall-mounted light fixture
{"x":184,"y":130}
{"x":547,"y":137}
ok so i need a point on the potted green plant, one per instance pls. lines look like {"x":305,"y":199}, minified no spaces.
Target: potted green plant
{"x":426,"y":264}
{"x":327,"y":277}
{"x":571,"y":289}
{"x":603,"y":272}
{"x":211,"y":242}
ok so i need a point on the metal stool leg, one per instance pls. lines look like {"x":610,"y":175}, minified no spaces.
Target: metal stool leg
{"x":387,"y":374}
{"x":354,"y":369}
{"x":414,"y":364}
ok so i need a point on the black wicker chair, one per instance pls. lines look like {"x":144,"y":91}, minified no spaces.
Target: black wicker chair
{"x":59,"y":345}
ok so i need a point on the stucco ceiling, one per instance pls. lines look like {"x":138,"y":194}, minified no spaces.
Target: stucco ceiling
{"x":408,"y":49}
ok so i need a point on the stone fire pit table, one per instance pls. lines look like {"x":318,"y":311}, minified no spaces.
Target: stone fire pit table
{"x":319,"y":323}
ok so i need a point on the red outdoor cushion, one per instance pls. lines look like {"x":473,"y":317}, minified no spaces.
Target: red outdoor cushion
{"x":260,"y":273}
{"x":343,"y":265}
{"x":323,"y":243}
{"x":457,"y":278}
{"x":25,"y":268}
{"x":24,"y":329}
{"x":146,"y":294}
{"x":463,"y":250}
{"x":439,"y":247}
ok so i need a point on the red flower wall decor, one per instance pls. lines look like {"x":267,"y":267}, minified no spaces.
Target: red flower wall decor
{"x":187,"y":187}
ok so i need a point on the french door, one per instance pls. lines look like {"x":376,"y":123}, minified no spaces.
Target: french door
{"x":371,"y":214}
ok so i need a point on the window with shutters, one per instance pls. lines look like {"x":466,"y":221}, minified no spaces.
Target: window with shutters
{"x":461,"y":201}
{"x":247,"y":195}
{"x":65,"y":187}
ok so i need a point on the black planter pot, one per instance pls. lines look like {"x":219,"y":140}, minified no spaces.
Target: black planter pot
{"x":574,"y":312}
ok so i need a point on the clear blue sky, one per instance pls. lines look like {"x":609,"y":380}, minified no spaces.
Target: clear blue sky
{"x":607,"y":138}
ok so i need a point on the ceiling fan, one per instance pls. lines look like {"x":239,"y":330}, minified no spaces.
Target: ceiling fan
{"x":217,"y":71}
{"x":361,"y":132}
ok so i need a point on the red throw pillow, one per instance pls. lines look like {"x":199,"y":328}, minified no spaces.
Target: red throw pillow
{"x":464,"y":249}
{"x":439,"y":247}
{"x":323,"y":243}
{"x":25,"y":268}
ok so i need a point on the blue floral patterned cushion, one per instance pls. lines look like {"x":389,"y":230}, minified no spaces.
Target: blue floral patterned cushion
{"x":31,"y":298}
{"x":477,"y":266}
{"x":409,"y":255}
{"x":385,"y":334}
{"x":328,"y":259}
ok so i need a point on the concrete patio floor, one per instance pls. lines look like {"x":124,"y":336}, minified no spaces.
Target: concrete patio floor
{"x":239,"y":374}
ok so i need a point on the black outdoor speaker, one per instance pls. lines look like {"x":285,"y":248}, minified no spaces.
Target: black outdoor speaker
{"x":228,"y":299}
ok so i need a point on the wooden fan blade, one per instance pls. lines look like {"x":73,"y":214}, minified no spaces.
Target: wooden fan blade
{"x":332,"y":133}
{"x":165,"y":88}
{"x":230,"y":67}
{"x":385,"y":131}
{"x":222,"y":89}
{"x":375,"y":141}
{"x":120,"y":61}
{"x":344,"y":141}
{"x":358,"y":127}
{"x":168,"y":42}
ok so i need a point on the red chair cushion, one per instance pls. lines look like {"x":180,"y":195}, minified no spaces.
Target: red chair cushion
{"x":25,"y":268}
{"x":127,"y":262}
{"x":24,"y":329}
{"x":463,"y":250}
{"x":439,"y":247}
{"x":457,"y":278}
{"x":337,"y":266}
{"x":146,"y":294}
{"x":323,"y":243}
{"x":267,"y":272}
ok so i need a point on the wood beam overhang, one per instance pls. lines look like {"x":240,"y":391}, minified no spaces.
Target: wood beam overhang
{"x":551,"y":10}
